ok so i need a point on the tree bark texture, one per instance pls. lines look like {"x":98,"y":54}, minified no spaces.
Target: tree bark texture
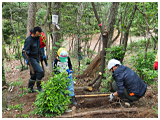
{"x":31,"y":17}
{"x":111,"y":21}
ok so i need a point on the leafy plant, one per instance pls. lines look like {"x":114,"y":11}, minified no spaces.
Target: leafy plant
{"x":156,"y":111}
{"x":144,"y":68}
{"x":16,"y":107}
{"x":16,"y":56}
{"x":115,"y":52}
{"x":24,"y":115}
{"x":88,"y":61}
{"x":54,"y":99}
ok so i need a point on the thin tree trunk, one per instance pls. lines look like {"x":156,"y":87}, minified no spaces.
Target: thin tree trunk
{"x":95,"y":46}
{"x":147,"y":34}
{"x":103,"y":53}
{"x":45,"y":31}
{"x":57,"y":36}
{"x":127,"y":32}
{"x":16,"y":37}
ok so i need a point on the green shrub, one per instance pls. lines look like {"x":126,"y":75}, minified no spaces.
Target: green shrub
{"x":88,"y":61}
{"x":135,"y":45}
{"x":54,"y":99}
{"x":144,"y":68}
{"x":115,"y":52}
{"x":16,"y":56}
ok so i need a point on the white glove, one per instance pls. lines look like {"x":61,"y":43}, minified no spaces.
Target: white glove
{"x":111,"y":96}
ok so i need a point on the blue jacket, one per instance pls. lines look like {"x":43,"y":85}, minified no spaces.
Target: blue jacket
{"x":127,"y":78}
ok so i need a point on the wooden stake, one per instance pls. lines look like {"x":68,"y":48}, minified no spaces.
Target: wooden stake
{"x":88,"y":88}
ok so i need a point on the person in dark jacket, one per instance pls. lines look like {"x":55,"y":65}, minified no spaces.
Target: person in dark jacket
{"x":32,"y":48}
{"x":63,"y":62}
{"x":127,"y":84}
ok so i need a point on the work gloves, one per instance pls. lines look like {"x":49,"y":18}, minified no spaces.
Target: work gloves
{"x":69,"y":72}
{"x":111,"y":96}
{"x":27,"y":62}
{"x":44,"y":57}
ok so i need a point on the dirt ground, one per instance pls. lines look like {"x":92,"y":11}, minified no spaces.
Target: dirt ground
{"x":145,"y":106}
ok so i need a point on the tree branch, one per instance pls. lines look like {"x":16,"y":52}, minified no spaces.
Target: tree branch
{"x":132,"y":16}
{"x":96,"y":15}
{"x":116,"y":36}
{"x":48,"y":9}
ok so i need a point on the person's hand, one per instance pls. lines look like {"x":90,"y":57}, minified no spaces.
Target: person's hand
{"x":44,"y":57}
{"x":69,"y":71}
{"x":111,"y":96}
{"x":27,"y":62}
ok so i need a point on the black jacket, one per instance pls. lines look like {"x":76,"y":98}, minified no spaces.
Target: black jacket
{"x":127,"y":78}
{"x":32,"y":47}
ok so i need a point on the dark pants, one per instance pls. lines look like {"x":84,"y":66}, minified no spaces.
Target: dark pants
{"x":125,"y":93}
{"x":38,"y":71}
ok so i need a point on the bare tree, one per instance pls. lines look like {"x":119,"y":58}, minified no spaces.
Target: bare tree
{"x":148,"y":31}
{"x":16,"y":37}
{"x":127,"y":28}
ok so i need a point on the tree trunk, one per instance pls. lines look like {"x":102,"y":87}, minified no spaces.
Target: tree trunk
{"x":105,"y":36}
{"x":111,"y":21}
{"x":125,"y":39}
{"x":103,"y":54}
{"x":92,"y":68}
{"x":79,"y":18}
{"x":45,"y":30}
{"x":16,"y":38}
{"x":31,"y":17}
{"x":57,"y":35}
{"x":3,"y":56}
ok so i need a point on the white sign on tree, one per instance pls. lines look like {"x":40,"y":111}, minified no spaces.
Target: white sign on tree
{"x":54,"y":19}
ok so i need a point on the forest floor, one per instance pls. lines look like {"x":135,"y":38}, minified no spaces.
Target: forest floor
{"x":147,"y":106}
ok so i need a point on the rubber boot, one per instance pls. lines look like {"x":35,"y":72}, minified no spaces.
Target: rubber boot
{"x":39,"y":88}
{"x":73,"y":100}
{"x":30,"y":86}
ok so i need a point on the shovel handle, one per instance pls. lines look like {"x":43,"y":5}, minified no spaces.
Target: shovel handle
{"x":95,"y":95}
{"x":31,"y":68}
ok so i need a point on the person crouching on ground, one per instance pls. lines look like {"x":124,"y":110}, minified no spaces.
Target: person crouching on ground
{"x":63,"y":61}
{"x":127,"y":85}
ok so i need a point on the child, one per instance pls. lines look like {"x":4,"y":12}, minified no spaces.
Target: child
{"x":63,"y":61}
